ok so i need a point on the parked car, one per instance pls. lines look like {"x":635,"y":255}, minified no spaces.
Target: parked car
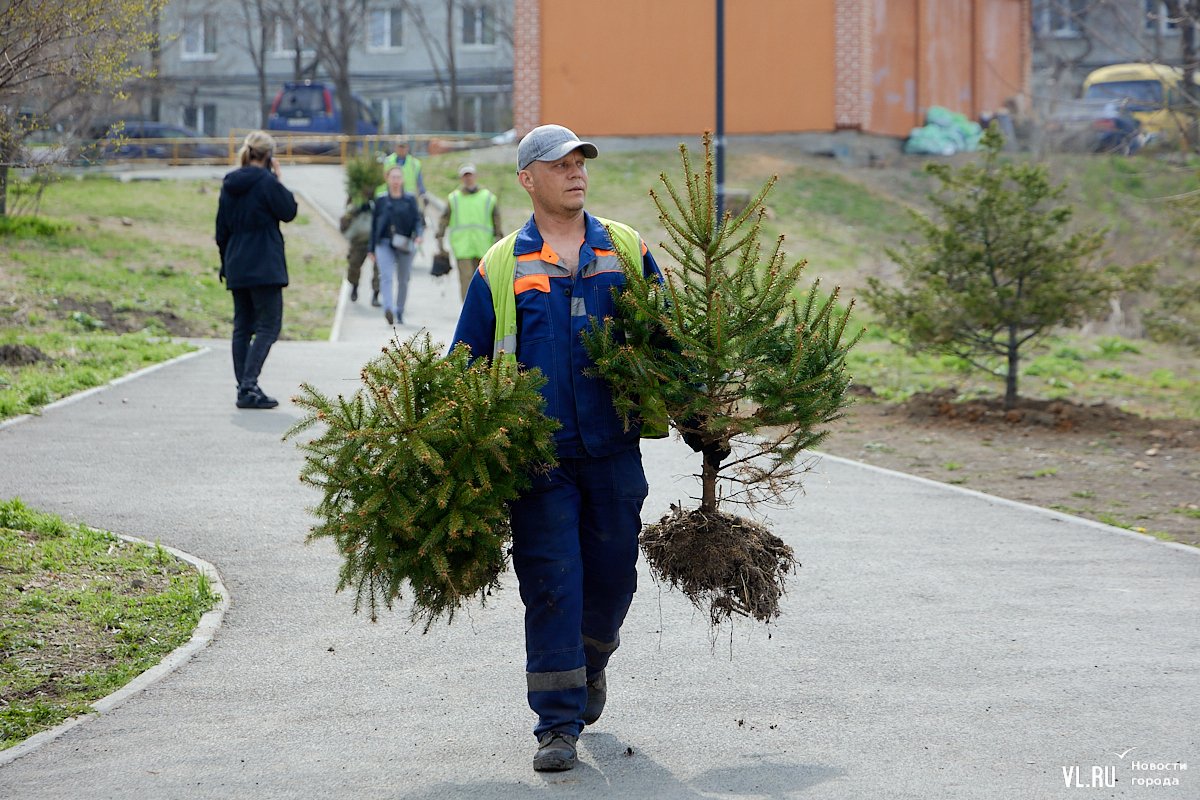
{"x":1096,"y":127}
{"x":312,"y":107}
{"x":148,"y":139}
{"x":1150,"y":92}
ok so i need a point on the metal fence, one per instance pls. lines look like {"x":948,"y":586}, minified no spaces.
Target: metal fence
{"x":335,"y":149}
{"x":292,"y":148}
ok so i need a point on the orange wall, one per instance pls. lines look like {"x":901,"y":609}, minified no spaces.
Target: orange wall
{"x":643,"y":67}
{"x":945,"y":69}
{"x":999,"y":72}
{"x":964,"y":55}
{"x":894,"y":67}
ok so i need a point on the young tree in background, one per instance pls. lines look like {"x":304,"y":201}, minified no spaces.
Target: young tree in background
{"x":56,"y":46}
{"x":336,"y":28}
{"x":999,"y":270}
{"x":256,"y":19}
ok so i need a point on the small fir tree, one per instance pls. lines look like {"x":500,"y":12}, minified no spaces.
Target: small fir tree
{"x":746,"y":368}
{"x":416,"y":470}
{"x":999,"y":270}
{"x":363,"y":175}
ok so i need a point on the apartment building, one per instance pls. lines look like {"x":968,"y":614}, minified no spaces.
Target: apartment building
{"x":403,"y":59}
{"x":1073,"y":37}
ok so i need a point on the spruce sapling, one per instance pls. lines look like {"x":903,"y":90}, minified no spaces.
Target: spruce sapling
{"x":746,"y":367}
{"x":416,"y":469}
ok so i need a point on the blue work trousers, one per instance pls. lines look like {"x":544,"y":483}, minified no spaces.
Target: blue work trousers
{"x":575,"y":549}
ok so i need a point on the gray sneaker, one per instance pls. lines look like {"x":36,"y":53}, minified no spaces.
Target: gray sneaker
{"x":556,"y":752}
{"x":597,"y":693}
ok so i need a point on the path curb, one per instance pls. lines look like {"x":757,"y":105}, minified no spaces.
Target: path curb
{"x":205,"y":632}
{"x":75,"y":398}
{"x":1055,"y":515}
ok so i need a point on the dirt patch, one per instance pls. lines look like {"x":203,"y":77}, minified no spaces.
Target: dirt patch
{"x":1059,"y":415}
{"x":1094,"y":461}
{"x":21,"y":355}
{"x":724,"y":564}
{"x":128,"y":320}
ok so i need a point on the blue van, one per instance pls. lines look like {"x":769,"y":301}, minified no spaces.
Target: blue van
{"x":312,"y":107}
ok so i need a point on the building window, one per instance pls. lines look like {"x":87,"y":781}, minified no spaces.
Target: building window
{"x":282,"y":38}
{"x":477,"y":113}
{"x":200,"y":38}
{"x":1158,"y":19}
{"x":202,"y":118}
{"x":385,"y":31}
{"x":478,"y":25}
{"x":390,"y":113}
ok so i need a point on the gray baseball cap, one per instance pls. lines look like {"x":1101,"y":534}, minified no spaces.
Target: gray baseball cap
{"x":550,"y":143}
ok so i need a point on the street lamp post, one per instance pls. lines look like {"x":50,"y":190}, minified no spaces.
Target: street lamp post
{"x":720,"y":111}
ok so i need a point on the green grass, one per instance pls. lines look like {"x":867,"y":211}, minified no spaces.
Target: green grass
{"x":842,"y":219}
{"x":83,"y":613}
{"x":80,"y":362}
{"x":1109,"y":519}
{"x":1067,"y":366}
{"x":98,"y":295}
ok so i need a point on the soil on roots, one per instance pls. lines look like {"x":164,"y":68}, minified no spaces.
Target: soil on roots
{"x":723,"y":564}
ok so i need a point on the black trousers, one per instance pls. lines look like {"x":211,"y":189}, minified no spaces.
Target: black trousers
{"x":257,"y":319}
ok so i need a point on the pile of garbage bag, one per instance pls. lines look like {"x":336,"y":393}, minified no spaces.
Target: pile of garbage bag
{"x":945,"y":133}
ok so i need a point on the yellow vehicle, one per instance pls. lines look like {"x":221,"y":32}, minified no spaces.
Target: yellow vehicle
{"x":1149,"y":92}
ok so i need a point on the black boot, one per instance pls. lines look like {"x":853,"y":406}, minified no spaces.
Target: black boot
{"x":597,"y":689}
{"x":375,"y":299}
{"x":556,"y":752}
{"x":354,"y":294}
{"x":254,"y":397}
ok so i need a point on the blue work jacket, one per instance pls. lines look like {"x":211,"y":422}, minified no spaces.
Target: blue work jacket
{"x":553,"y":310}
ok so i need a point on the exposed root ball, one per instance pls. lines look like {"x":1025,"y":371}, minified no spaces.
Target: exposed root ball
{"x":728,"y":564}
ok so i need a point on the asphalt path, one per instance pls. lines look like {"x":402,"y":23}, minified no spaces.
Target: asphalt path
{"x":935,"y":643}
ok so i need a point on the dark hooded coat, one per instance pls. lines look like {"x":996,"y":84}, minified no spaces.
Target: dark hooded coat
{"x":253,"y":203}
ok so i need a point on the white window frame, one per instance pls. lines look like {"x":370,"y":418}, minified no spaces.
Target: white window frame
{"x":391,"y":111}
{"x":1161,"y":18}
{"x":200,"y":117}
{"x":208,"y":24}
{"x":1044,"y":20}
{"x":476,"y":95}
{"x":390,"y":14}
{"x":476,"y":9}
{"x":284,"y":49}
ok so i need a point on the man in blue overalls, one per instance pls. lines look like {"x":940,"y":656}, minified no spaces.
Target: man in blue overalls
{"x":575,"y":531}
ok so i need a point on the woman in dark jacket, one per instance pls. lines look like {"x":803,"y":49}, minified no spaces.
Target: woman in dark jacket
{"x":395,"y":233}
{"x":253,"y":203}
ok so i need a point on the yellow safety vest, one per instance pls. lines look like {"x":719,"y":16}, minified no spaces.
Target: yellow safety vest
{"x":500,"y":269}
{"x":471,"y":230}
{"x":411,"y":168}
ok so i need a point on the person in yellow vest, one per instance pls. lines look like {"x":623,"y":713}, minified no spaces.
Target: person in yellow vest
{"x":575,"y":530}
{"x":414,"y":181}
{"x":472,"y":217}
